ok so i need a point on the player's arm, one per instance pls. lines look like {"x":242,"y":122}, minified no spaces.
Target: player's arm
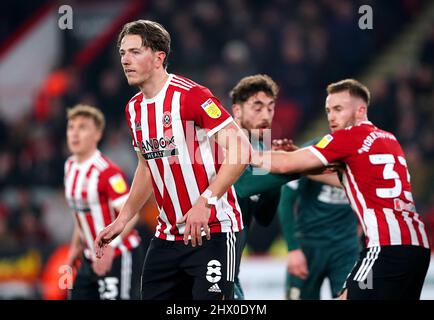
{"x":139,"y":193}
{"x":237,"y":152}
{"x":249,"y":184}
{"x":286,"y":162}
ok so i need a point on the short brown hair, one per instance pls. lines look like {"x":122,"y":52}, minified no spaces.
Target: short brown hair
{"x":249,"y":86}
{"x":354,"y":87}
{"x":153,"y":34}
{"x":89,"y":112}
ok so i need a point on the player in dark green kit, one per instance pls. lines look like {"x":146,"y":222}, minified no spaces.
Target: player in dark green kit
{"x":253,"y":101}
{"x":320,"y":230}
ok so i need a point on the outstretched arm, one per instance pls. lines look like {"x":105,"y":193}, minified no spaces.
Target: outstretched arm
{"x":287,"y":162}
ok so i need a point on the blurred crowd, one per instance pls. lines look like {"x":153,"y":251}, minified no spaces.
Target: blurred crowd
{"x":302,"y":44}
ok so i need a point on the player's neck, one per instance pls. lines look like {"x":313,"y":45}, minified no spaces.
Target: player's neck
{"x":83,"y":157}
{"x":154,"y":84}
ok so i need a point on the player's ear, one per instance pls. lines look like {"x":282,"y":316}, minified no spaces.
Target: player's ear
{"x":236,"y":110}
{"x":160,"y":56}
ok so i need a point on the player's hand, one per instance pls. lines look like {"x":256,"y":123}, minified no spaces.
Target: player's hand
{"x":196,"y":220}
{"x":283,"y":145}
{"x":107,"y":235}
{"x":103,"y":265}
{"x":297,"y":264}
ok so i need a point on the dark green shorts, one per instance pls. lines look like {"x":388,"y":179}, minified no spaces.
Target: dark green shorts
{"x":323,"y":262}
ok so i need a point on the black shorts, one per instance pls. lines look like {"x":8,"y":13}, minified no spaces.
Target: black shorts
{"x":122,"y":282}
{"x":389,"y":272}
{"x":173,"y":270}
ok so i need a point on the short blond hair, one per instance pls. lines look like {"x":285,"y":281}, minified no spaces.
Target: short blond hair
{"x":354,"y":87}
{"x":88,"y":111}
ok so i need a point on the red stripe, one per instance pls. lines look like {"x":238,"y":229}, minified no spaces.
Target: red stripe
{"x":405,"y":231}
{"x":231,"y":200}
{"x":159,"y":199}
{"x":166,"y":201}
{"x":383,"y":228}
{"x":201,"y":175}
{"x":180,"y":185}
{"x":91,"y":224}
{"x":74,"y":184}
{"x":416,"y":227}
{"x":85,"y":185}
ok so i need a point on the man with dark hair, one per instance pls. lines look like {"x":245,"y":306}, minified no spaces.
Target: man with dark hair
{"x":95,"y":190}
{"x":377,"y":182}
{"x":253,"y":102}
{"x":180,"y":132}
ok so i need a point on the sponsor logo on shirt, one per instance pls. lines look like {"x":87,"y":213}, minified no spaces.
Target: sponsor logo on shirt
{"x":211,"y":109}
{"x":324,"y":141}
{"x":159,"y":148}
{"x":118,"y":183}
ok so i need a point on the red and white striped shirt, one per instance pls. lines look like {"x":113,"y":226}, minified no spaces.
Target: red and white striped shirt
{"x":377,"y":183}
{"x":92,"y":189}
{"x":173,"y":133}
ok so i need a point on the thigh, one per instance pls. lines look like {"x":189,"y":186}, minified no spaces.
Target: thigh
{"x":162,"y":277}
{"x":123,"y":280}
{"x":309,"y":288}
{"x":85,"y":286}
{"x":213,"y":267}
{"x":388,"y":273}
{"x":340,"y":264}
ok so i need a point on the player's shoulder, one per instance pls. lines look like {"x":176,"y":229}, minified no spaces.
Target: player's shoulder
{"x":186,"y":85}
{"x":105,"y":165}
{"x":137,"y":97}
{"x":69,"y":161}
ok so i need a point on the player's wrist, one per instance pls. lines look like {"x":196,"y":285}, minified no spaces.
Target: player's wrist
{"x":208,"y":200}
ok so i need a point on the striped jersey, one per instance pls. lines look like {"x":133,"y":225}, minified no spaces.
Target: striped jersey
{"x":173,"y":132}
{"x":377,"y":183}
{"x":92,"y":189}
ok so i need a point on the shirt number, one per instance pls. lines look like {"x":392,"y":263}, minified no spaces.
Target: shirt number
{"x":388,"y":174}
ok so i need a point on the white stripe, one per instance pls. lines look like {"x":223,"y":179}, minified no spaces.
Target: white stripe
{"x":126,"y":275}
{"x":230,"y":252}
{"x":365,"y":273}
{"x":168,"y":179}
{"x":365,"y":263}
{"x":119,"y":202}
{"x":184,"y":156}
{"x":154,"y":170}
{"x":133,"y":241}
{"x":183,"y":83}
{"x":132,"y":113}
{"x":208,"y":163}
{"x":220,"y":126}
{"x":86,"y":232}
{"x":393,"y":226}
{"x":69,"y":181}
{"x":368,"y":214}
{"x":318,"y":155}
{"x":176,"y":81}
{"x":413,"y":235}
{"x":422,"y":230}
{"x":180,"y":86}
{"x":353,"y":203}
{"x":94,"y":203}
{"x":186,"y":81}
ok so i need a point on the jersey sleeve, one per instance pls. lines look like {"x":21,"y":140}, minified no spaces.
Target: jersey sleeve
{"x":206,"y":110}
{"x":333,"y":147}
{"x":132,"y":126}
{"x":113,"y":183}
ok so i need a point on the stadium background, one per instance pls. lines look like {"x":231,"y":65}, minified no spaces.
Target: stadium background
{"x":302,"y":44}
